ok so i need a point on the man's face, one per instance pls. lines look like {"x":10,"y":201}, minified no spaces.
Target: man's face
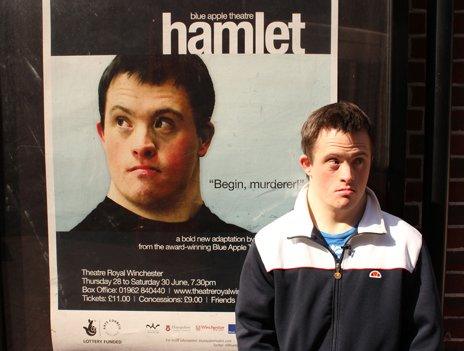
{"x":339,"y":168}
{"x":150,"y":141}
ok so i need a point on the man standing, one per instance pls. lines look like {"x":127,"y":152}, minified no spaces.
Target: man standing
{"x":337,"y":273}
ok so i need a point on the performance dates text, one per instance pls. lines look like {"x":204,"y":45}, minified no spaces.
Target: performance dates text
{"x":142,"y":286}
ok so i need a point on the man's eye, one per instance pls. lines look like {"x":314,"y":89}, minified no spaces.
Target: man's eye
{"x":358,"y":161}
{"x":163,"y":123}
{"x":122,"y":122}
{"x":333,"y":164}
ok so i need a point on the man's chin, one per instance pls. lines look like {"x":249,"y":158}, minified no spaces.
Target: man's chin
{"x":345,"y":203}
{"x":153,"y":200}
{"x":348,"y":202}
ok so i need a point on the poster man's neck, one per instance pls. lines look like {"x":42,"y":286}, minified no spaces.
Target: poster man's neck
{"x":180,"y":209}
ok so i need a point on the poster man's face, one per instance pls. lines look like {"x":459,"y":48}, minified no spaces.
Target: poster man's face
{"x":339,"y":168}
{"x":150,"y":141}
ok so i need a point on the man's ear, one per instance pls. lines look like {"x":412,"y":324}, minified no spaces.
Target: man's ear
{"x":306,"y":164}
{"x":100,"y":132}
{"x":205,"y":139}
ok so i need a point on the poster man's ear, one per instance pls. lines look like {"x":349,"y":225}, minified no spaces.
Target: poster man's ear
{"x":205,"y":139}
{"x":100,"y":132}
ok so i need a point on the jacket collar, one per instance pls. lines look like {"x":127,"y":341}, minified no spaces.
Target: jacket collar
{"x":371,"y":221}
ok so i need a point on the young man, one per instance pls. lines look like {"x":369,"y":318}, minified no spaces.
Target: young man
{"x":337,"y":273}
{"x":154,"y":126}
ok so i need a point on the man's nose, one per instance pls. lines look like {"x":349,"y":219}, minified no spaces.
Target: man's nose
{"x":346,"y":172}
{"x":143,"y":144}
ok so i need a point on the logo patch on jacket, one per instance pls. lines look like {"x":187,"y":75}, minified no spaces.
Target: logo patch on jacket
{"x":375,"y":275}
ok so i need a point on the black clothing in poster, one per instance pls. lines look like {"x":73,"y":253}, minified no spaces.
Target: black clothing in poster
{"x":117,"y":260}
{"x":110,"y":216}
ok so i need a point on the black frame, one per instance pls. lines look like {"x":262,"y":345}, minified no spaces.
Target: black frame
{"x":24,"y":236}
{"x":398,"y":107}
{"x":437,"y":133}
{"x":388,"y":172}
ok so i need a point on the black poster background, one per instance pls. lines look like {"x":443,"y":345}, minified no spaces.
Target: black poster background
{"x":83,"y":27}
{"x":118,"y":252}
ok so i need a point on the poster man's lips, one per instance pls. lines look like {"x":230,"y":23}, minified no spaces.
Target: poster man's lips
{"x":143,"y":168}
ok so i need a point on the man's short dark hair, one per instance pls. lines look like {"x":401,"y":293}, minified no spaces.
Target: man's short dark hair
{"x":186,"y":71}
{"x":343,"y":116}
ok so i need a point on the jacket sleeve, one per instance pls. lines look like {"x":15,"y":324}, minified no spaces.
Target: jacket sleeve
{"x":255,"y":306}
{"x":425,"y":327}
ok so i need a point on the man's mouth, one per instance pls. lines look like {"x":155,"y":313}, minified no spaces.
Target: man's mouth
{"x":345,"y":191}
{"x":144,"y":170}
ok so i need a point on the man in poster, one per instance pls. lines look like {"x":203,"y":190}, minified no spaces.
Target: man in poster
{"x":154,"y":126}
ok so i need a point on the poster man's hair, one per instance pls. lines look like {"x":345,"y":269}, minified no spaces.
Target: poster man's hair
{"x":186,"y":71}
{"x":343,"y":116}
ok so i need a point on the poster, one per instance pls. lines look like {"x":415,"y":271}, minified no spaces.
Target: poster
{"x":140,"y":283}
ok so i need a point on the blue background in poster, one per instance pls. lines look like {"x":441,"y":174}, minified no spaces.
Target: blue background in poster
{"x":261,"y":103}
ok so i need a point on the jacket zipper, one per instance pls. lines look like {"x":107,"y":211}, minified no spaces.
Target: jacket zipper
{"x":336,"y":303}
{"x":338,"y":273}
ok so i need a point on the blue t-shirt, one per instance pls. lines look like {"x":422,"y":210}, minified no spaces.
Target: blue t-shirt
{"x":336,"y":241}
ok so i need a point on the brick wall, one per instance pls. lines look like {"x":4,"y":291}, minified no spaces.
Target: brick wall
{"x":453,"y":308}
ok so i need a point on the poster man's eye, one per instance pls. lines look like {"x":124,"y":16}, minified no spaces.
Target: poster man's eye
{"x":164,"y":124}
{"x":122,"y":122}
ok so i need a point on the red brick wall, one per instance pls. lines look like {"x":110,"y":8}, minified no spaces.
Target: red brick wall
{"x":453,"y":308}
